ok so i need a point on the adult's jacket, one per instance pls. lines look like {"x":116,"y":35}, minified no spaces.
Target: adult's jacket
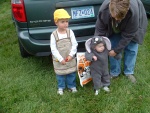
{"x":132,"y":27}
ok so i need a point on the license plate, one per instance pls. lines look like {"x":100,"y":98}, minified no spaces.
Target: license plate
{"x":82,"y":12}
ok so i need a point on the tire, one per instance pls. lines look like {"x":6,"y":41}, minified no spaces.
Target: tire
{"x":23,"y":52}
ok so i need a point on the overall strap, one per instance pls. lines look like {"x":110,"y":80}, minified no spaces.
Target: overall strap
{"x":68,"y":33}
{"x":56,"y":36}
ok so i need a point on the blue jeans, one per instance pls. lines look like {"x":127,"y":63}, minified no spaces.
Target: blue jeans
{"x":69,"y":80}
{"x":130,"y":54}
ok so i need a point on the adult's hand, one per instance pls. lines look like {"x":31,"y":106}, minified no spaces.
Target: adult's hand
{"x":112,"y":53}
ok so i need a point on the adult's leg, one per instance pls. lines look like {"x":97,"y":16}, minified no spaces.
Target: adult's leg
{"x":115,"y":65}
{"x":130,"y":54}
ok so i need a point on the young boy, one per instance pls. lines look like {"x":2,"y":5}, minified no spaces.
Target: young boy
{"x":63,"y":47}
{"x":97,"y":52}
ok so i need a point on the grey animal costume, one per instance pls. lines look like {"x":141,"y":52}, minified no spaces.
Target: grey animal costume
{"x":99,"y":69}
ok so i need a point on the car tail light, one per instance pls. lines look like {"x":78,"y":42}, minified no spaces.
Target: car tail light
{"x":18,"y":10}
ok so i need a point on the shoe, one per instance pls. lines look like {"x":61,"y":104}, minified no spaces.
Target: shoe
{"x":60,"y":91}
{"x":97,"y":92}
{"x":106,"y":89}
{"x":113,"y":76}
{"x":131,"y":78}
{"x":73,"y":90}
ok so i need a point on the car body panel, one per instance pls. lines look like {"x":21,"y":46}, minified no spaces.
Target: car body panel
{"x":43,"y":18}
{"x":34,"y":35}
{"x":146,"y":4}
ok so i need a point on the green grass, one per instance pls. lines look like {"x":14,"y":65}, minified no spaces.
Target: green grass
{"x":28,"y":85}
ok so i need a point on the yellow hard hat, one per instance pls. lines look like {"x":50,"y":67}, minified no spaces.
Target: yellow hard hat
{"x":60,"y":14}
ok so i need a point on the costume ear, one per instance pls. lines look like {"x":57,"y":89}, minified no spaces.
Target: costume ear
{"x":108,"y":43}
{"x":87,"y":45}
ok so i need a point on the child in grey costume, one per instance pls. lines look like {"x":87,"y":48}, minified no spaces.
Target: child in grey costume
{"x":97,"y":49}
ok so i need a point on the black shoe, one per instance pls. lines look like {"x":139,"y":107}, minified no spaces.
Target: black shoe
{"x":113,"y":76}
{"x":131,"y":78}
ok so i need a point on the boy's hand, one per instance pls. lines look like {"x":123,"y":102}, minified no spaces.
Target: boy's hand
{"x":69,"y":58}
{"x":94,"y":58}
{"x":63,"y":62}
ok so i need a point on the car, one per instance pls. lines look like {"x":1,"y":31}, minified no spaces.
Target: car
{"x":146,"y":4}
{"x":34,"y":22}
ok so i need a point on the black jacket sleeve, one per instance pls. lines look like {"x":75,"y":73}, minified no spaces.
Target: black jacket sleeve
{"x":128,"y":33}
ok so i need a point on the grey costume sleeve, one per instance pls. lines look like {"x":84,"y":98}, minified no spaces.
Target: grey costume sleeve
{"x":89,"y":56}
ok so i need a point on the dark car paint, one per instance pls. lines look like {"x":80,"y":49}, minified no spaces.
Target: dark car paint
{"x":34,"y":35}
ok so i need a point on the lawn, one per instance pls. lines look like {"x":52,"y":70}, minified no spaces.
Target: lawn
{"x":28,"y":85}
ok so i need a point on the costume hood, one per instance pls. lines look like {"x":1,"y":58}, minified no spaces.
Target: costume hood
{"x":96,"y":40}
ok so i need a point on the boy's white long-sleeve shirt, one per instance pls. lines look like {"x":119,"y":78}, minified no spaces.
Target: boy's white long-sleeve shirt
{"x":53,"y":47}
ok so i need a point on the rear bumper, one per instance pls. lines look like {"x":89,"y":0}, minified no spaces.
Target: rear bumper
{"x":32,"y":46}
{"x":41,"y":47}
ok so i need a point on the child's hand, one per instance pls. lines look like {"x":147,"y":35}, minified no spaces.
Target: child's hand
{"x":69,"y":58}
{"x":94,"y":58}
{"x":63,"y":62}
